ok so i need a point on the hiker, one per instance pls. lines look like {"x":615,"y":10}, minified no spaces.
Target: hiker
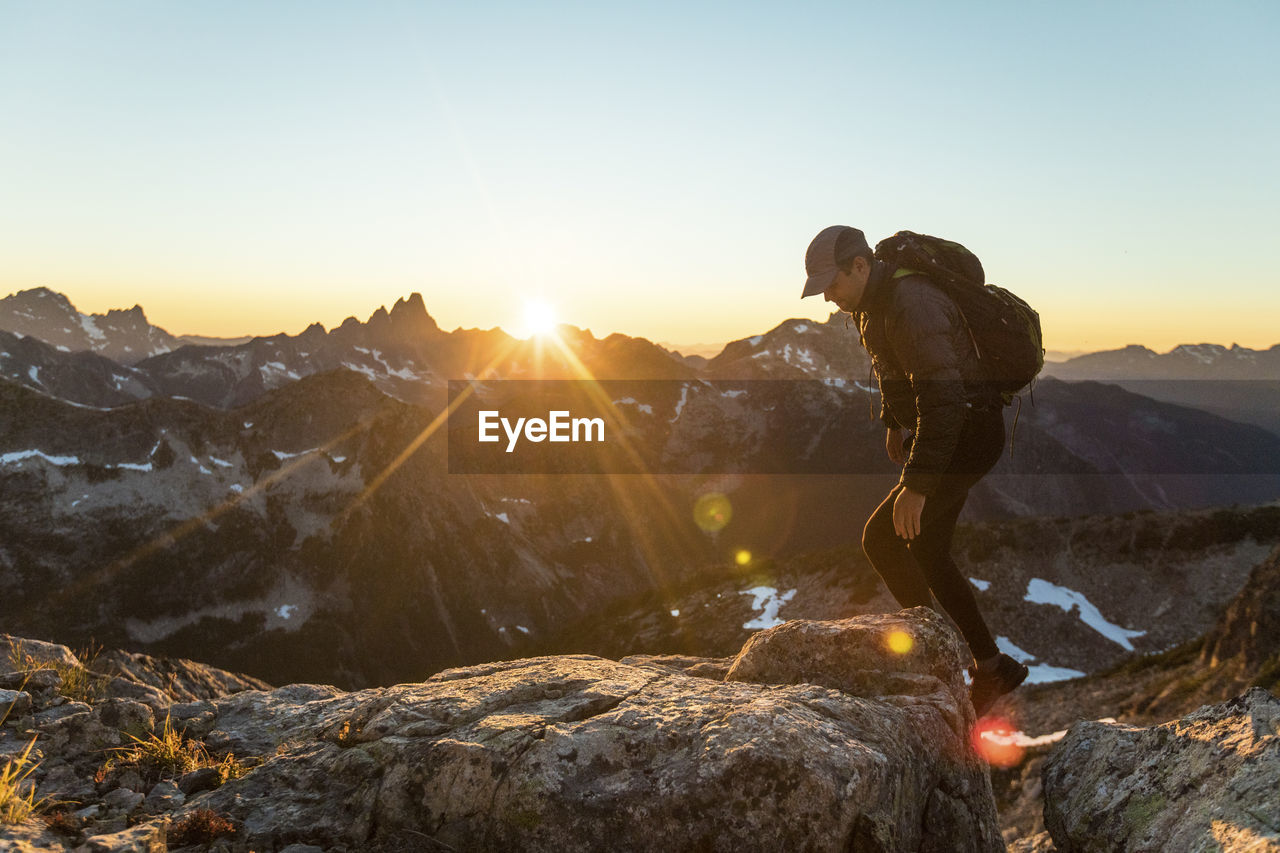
{"x":944,"y":424}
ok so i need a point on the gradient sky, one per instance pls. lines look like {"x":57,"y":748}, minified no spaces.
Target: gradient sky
{"x":655,"y":169}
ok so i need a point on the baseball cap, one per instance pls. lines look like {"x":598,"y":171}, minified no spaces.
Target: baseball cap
{"x":820,"y":260}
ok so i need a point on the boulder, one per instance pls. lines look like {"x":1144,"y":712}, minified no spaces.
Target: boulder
{"x":1207,"y":781}
{"x":577,"y":752}
{"x":180,"y":680}
{"x":16,"y":650}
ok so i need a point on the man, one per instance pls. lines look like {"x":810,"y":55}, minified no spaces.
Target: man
{"x":943,"y":423}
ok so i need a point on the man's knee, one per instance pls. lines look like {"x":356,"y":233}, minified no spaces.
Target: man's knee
{"x":876,"y":540}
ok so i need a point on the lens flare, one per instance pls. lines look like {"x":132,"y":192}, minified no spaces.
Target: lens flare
{"x":742,"y":557}
{"x":996,"y":741}
{"x":712,"y":512}
{"x":899,"y":642}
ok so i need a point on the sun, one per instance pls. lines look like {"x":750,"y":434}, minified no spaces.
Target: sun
{"x":539,"y":319}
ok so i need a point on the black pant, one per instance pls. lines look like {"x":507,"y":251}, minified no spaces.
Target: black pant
{"x":911,"y":570}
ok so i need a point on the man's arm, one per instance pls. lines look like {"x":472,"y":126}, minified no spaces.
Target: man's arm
{"x":923,"y":333}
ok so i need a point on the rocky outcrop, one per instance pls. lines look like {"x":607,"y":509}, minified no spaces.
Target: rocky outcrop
{"x":1249,"y":630}
{"x":1207,"y":781}
{"x":797,"y":750}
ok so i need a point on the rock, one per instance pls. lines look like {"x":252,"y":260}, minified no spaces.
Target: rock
{"x":1207,"y":781}
{"x":153,"y":697}
{"x":302,"y":848}
{"x":127,"y":716}
{"x":30,"y":836}
{"x":855,"y":656}
{"x":52,"y":716}
{"x":580,"y":753}
{"x":123,"y":799}
{"x":12,"y":648}
{"x":14,"y":704}
{"x":195,"y":719}
{"x":87,"y":813}
{"x":714,"y":668}
{"x":144,"y":838}
{"x":165,"y":797}
{"x":180,"y":680}
{"x":131,"y":779}
{"x":61,"y":783}
{"x":204,"y":779}
{"x":72,"y":731}
{"x":37,"y":680}
{"x":1249,"y":628}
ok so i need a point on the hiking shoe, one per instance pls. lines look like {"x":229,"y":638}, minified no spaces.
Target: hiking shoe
{"x":990,"y":684}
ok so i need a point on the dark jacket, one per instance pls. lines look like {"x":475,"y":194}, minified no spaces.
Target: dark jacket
{"x":929,"y":373}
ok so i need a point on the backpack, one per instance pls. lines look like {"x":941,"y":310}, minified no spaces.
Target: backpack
{"x":1004,"y":329}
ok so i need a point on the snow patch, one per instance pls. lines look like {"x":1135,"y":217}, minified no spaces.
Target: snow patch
{"x":360,"y":368}
{"x":766,"y":600}
{"x":34,"y":373}
{"x":284,"y":611}
{"x":631,"y":401}
{"x":1006,"y":645}
{"x":19,"y":455}
{"x":675,"y":612}
{"x":276,"y":367}
{"x":1042,"y":592}
{"x":91,"y":328}
{"x":281,"y":455}
{"x":684,"y":397}
{"x":1043,"y":673}
{"x":982,"y":586}
{"x":220,"y":462}
{"x":801,"y":329}
{"x":237,"y":488}
{"x":755,"y":341}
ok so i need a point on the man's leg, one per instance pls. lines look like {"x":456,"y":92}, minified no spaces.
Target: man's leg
{"x":932,"y":553}
{"x":892,"y":560}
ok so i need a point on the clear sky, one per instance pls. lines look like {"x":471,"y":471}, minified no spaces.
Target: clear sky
{"x":650,"y":168}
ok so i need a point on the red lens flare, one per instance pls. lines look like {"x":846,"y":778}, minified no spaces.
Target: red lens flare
{"x":996,"y":740}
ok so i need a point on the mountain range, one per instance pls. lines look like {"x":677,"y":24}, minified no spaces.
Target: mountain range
{"x":288,"y":502}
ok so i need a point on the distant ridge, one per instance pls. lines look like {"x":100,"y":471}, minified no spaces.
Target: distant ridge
{"x":121,"y":335}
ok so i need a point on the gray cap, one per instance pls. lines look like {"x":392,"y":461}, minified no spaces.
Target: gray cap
{"x":820,"y":261}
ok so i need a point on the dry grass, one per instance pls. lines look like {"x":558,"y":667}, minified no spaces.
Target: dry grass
{"x":168,"y":755}
{"x":17,"y":795}
{"x":79,"y":683}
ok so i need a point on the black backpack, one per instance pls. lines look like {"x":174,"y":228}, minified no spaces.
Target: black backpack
{"x":1005,"y":330}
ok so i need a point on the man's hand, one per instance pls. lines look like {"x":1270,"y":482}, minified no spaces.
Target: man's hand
{"x":907,"y":507}
{"x":893,"y":444}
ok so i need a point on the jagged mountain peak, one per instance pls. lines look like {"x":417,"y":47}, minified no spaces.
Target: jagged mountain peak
{"x":135,"y":312}
{"x":42,"y":292}
{"x":411,"y":313}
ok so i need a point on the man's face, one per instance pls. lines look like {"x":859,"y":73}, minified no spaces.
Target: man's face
{"x":846,"y":290}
